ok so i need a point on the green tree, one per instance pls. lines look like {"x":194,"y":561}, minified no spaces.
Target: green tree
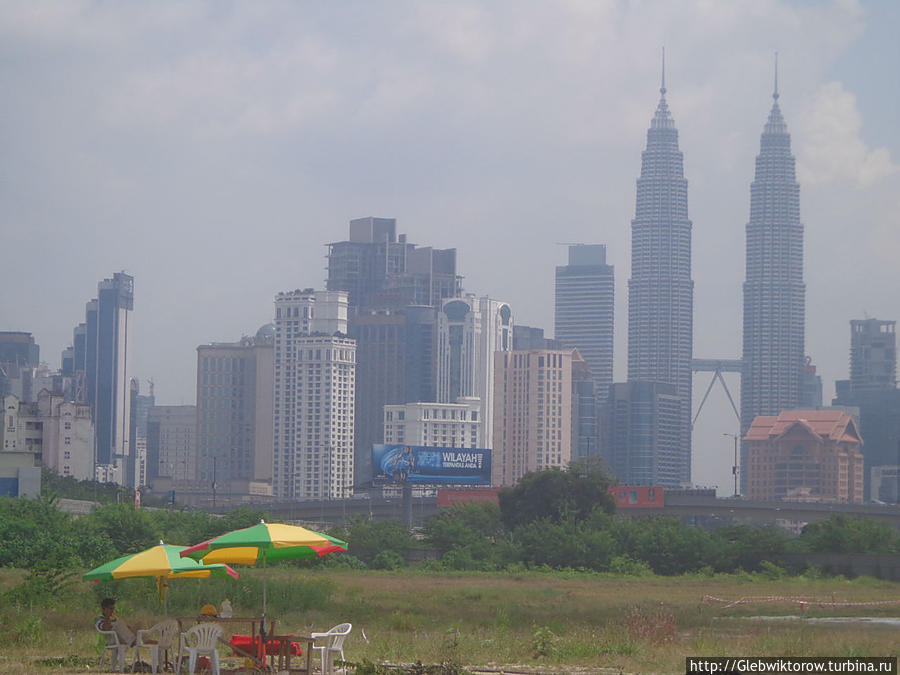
{"x":464,"y":525}
{"x":668,"y":546}
{"x":368,"y":538}
{"x":575,"y":492}
{"x":131,"y":530}
{"x":67,"y":487}
{"x":847,"y":534}
{"x":571,"y":543}
{"x":747,"y":547}
{"x":35,"y":535}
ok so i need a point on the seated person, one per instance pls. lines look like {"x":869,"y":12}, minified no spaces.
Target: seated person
{"x":109,"y":621}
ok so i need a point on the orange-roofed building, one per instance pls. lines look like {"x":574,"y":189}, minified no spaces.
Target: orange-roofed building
{"x":808,"y":455}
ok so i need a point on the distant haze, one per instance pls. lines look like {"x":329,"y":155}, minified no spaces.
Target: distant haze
{"x":210,"y":149}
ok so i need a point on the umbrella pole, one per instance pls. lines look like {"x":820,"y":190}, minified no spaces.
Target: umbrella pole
{"x":262,"y":628}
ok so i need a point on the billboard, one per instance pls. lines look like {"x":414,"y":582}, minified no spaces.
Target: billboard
{"x":431,"y":464}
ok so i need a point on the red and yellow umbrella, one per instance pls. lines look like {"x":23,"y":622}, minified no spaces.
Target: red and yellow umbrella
{"x":161,"y":562}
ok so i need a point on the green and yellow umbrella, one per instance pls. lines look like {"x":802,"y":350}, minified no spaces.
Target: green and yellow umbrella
{"x":162,"y":562}
{"x":264,"y":542}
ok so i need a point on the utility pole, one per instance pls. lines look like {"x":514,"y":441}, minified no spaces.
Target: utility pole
{"x":214,"y":482}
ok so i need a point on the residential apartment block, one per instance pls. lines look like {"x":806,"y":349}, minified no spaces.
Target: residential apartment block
{"x":172,"y":444}
{"x":533,"y":412}
{"x":59,"y":433}
{"x":235,"y":406}
{"x":314,"y":396}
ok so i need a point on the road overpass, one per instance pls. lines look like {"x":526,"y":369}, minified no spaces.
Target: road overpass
{"x":703,"y":510}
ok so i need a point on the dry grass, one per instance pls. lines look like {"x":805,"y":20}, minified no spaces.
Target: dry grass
{"x":559,"y":622}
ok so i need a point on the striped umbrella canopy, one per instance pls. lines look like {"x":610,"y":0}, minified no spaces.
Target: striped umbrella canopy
{"x":161,"y":562}
{"x":264,"y":542}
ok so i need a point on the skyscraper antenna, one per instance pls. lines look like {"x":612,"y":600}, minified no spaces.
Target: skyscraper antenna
{"x":662,"y":89}
{"x":775,"y":95}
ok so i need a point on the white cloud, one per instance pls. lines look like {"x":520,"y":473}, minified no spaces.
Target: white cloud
{"x":830,"y":148}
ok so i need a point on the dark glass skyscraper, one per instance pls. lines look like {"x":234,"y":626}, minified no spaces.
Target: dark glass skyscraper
{"x":661,"y":291}
{"x":774,"y":292}
{"x":102,"y":357}
{"x":583,"y":318}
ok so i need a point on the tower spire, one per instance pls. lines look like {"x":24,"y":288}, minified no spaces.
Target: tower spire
{"x":662,"y":88}
{"x":775,"y":93}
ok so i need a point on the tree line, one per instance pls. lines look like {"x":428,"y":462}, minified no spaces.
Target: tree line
{"x":559,"y":519}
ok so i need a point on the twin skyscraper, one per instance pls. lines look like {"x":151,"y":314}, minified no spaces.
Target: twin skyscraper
{"x":647,"y":420}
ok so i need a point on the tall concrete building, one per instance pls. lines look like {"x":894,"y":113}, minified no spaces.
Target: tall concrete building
{"x":586,"y":410}
{"x":533,"y":412}
{"x":526,"y":338}
{"x":643,"y":433}
{"x":394,"y":288}
{"x":470,"y":331}
{"x":378,"y":268}
{"x":172,"y":444}
{"x":871,"y":394}
{"x":102,"y":360}
{"x":140,"y":410}
{"x":873,"y":355}
{"x":235,"y":407}
{"x":19,"y":357}
{"x":315,"y":388}
{"x":585,"y":294}
{"x":19,"y":348}
{"x":395,"y":365}
{"x":774,"y":292}
{"x":661,"y":291}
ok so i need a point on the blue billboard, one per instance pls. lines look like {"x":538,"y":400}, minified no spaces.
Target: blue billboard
{"x":431,"y":464}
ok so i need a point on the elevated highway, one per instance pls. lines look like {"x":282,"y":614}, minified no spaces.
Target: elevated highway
{"x":703,"y":510}
{"x":756,"y":512}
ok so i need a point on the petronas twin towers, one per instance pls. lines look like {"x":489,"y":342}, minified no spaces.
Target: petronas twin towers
{"x":661,"y":290}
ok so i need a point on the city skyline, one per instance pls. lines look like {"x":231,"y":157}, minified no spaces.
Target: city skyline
{"x":216,"y":169}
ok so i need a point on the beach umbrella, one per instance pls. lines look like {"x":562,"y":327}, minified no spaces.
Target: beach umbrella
{"x":262,"y":543}
{"x":161,"y":562}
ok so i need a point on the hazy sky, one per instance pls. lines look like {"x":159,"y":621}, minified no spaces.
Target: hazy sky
{"x":211,"y":149}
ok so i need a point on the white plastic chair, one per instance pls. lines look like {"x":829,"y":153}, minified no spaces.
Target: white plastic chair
{"x":200,"y":640}
{"x":116,"y":648}
{"x":165,"y":631}
{"x":334,"y":644}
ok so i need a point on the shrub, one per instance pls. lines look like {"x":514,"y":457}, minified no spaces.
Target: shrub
{"x":543,"y":641}
{"x":27,"y":630}
{"x":387,"y":560}
{"x":623,"y":564}
{"x":655,"y":625}
{"x":771,"y":571}
{"x":343,"y":561}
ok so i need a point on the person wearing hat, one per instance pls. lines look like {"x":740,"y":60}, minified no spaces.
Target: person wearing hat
{"x":208,"y":611}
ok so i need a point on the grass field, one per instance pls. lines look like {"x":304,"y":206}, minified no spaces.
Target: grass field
{"x":560,"y":622}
